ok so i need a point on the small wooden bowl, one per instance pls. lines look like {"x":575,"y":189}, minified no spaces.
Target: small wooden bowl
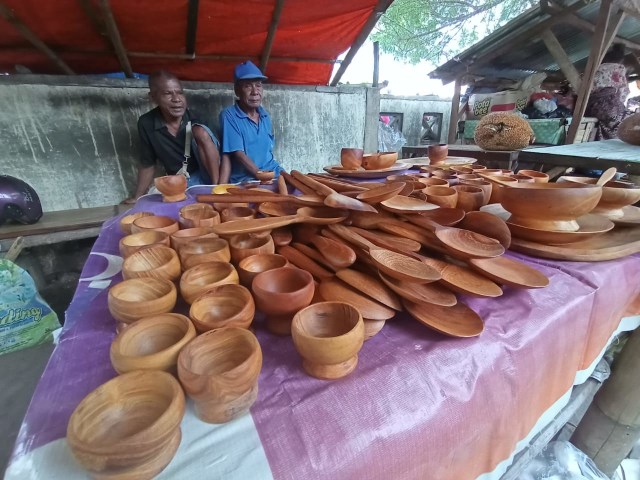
{"x":538,"y":177}
{"x":219,"y":371}
{"x":328,"y":337}
{"x":468,"y":176}
{"x":265,"y":176}
{"x":478,"y":168}
{"x":154,"y":222}
{"x":470,"y":197}
{"x":152,"y":343}
{"x":248,"y":244}
{"x":127,"y":221}
{"x":434,"y":182}
{"x":155,"y":262}
{"x":485,"y":185}
{"x":379,"y":161}
{"x":198,"y":215}
{"x":443,"y":196}
{"x":172,"y":187}
{"x":237,"y":213}
{"x":182,"y":237}
{"x":280,"y":293}
{"x":437,"y":153}
{"x":250,"y":267}
{"x":134,"y":299}
{"x":128,"y":427}
{"x":223,"y":306}
{"x":461,"y":170}
{"x":201,"y":250}
{"x":351,"y":158}
{"x":522,"y":178}
{"x":204,"y":276}
{"x":130,"y":244}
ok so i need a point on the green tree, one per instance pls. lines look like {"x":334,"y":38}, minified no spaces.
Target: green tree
{"x":433,"y":30}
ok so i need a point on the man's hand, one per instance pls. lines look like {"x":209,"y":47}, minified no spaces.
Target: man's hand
{"x":129,"y":201}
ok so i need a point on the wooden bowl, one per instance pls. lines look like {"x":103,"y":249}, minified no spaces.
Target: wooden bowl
{"x":152,"y":343}
{"x":182,"y":237}
{"x":495,"y":191}
{"x":127,"y":221}
{"x":351,"y":158}
{"x":280,"y":293}
{"x":522,"y":178}
{"x":219,"y":371}
{"x":198,"y":215}
{"x":461,"y":170}
{"x":237,"y":213}
{"x":223,"y":306}
{"x":538,"y":177}
{"x":265,"y":176}
{"x":468,"y":176}
{"x":203,"y":249}
{"x":251,"y":266}
{"x":437,"y":153}
{"x":615,"y":195}
{"x":131,"y":300}
{"x":154,"y":222}
{"x":202,"y":277}
{"x":248,"y":244}
{"x":447,"y":175}
{"x":379,"y":161}
{"x":434,"y":182}
{"x":155,"y":262}
{"x":443,"y":196}
{"x":485,"y":185}
{"x":328,"y":337}
{"x":130,"y":244}
{"x":470,"y":197}
{"x":549,"y":206}
{"x":478,"y":168}
{"x":172,"y":187}
{"x":128,"y":427}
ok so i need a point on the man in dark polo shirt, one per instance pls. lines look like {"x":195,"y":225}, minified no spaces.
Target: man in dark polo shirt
{"x":162,"y":133}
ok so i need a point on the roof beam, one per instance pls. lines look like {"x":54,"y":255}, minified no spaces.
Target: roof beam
{"x":26,"y":32}
{"x":560,"y":56}
{"x":192,"y":27}
{"x":90,"y":11}
{"x":268,"y":44}
{"x":612,"y":29}
{"x":379,"y":9}
{"x":116,"y":40}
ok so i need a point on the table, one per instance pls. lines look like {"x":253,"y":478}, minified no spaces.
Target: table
{"x":594,"y":155}
{"x":419,"y":405}
{"x":490,"y":158}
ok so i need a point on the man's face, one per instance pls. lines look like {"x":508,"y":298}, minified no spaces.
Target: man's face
{"x":169,"y":96}
{"x":249,"y":93}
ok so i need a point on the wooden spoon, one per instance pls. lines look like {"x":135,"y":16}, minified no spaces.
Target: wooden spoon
{"x":431,"y":293}
{"x":395,"y":243}
{"x":507,"y":271}
{"x":296,"y":184}
{"x":488,"y":225}
{"x":282,"y":186}
{"x":273,"y":209}
{"x":402,"y":204}
{"x":259,"y":197}
{"x":338,"y":185}
{"x":382,"y":193}
{"x":463,"y":280}
{"x":447,"y":217}
{"x":336,"y":253}
{"x":332,"y":198}
{"x":606,"y":176}
{"x":371,"y":287}
{"x":393,"y":264}
{"x":314,"y":255}
{"x":338,"y":291}
{"x":300,"y":260}
{"x":456,"y":321}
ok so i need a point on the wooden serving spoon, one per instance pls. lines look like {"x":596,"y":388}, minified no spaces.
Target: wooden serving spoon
{"x":336,"y":253}
{"x":332,"y":198}
{"x":464,"y":242}
{"x":296,"y":184}
{"x":274,"y":209}
{"x":507,"y":271}
{"x":402,"y":204}
{"x":456,"y":321}
{"x":447,"y":217}
{"x":463,"y":280}
{"x":488,"y":225}
{"x":314,"y":255}
{"x":300,"y":260}
{"x":393,"y":264}
{"x":259,"y":197}
{"x":282,"y":186}
{"x":431,"y":293}
{"x":382,"y":193}
{"x":392,"y":242}
{"x":338,"y":185}
{"x":336,"y":290}
{"x":606,"y":176}
{"x":371,"y":287}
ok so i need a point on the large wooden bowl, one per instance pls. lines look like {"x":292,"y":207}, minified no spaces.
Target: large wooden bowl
{"x":328,"y":336}
{"x":248,"y":244}
{"x":137,"y":298}
{"x":228,"y":305}
{"x":219,"y":370}
{"x":237,"y":213}
{"x":152,"y":343}
{"x":154,"y":222}
{"x":615,"y":195}
{"x":182,"y":237}
{"x":127,"y":221}
{"x":549,"y":206}
{"x":201,"y":250}
{"x":204,"y":276}
{"x":280,"y":293}
{"x":198,"y":215}
{"x":130,"y":244}
{"x":156,"y":262}
{"x":128,"y":427}
{"x":172,"y":187}
{"x":250,"y":267}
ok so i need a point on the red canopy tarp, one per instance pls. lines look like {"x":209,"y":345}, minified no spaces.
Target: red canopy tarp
{"x":306,"y":31}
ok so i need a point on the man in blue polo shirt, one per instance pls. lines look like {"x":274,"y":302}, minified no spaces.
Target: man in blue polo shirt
{"x":247,"y":132}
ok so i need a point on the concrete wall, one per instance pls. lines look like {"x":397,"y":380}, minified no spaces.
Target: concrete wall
{"x":74,"y":139}
{"x":413,"y":108}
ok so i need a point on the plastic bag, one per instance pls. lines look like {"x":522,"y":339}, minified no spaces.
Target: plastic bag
{"x":25,"y":318}
{"x":389,"y":139}
{"x":562,"y":461}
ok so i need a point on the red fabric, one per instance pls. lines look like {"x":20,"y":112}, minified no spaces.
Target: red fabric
{"x":225,"y":27}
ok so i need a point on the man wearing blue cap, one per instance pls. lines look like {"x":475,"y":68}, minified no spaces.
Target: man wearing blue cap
{"x":247,"y":132}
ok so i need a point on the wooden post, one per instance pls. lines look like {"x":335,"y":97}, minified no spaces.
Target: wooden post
{"x":376,"y":63}
{"x":455,"y":109}
{"x":614,"y":26}
{"x":268,"y":44}
{"x":114,"y":36}
{"x":611,"y":426}
{"x":560,"y":56}
{"x":192,"y":27}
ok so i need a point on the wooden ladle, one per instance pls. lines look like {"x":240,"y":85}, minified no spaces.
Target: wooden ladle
{"x":336,"y":253}
{"x":463,"y":280}
{"x":393,"y":264}
{"x":431,"y":293}
{"x":456,"y":321}
{"x":488,"y":225}
{"x":372,"y":287}
{"x":332,"y":198}
{"x":382,"y":193}
{"x":464,"y":242}
{"x":507,"y":271}
{"x":606,"y":176}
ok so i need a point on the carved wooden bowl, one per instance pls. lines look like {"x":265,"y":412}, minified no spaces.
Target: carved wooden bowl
{"x":152,"y":343}
{"x":496,"y":190}
{"x":198,"y":215}
{"x":379,"y":161}
{"x":248,"y":244}
{"x":280,"y":293}
{"x":201,"y":250}
{"x":443,"y":196}
{"x":538,"y":177}
{"x":470,"y":197}
{"x":615,"y":195}
{"x":134,"y":299}
{"x":172,"y":187}
{"x":250,"y":267}
{"x":328,"y":337}
{"x":128,"y":427}
{"x":182,"y":237}
{"x":154,"y":222}
{"x":130,"y":244}
{"x":485,"y":185}
{"x":228,"y":305}
{"x":437,"y":153}
{"x":522,"y":178}
{"x":265,"y":176}
{"x":204,"y":276}
{"x":127,"y":221}
{"x":351,"y":158}
{"x":237,"y":213}
{"x":434,"y":182}
{"x":156,"y":262}
{"x":219,"y":371}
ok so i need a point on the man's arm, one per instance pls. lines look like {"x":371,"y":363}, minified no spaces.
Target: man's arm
{"x":209,"y":153}
{"x":225,"y":169}
{"x":145,"y":177}
{"x":243,"y":158}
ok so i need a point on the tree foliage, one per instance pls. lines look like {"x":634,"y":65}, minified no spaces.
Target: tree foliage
{"x":433,"y":30}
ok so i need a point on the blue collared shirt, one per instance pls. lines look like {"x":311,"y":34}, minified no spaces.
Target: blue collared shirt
{"x":256,"y":140}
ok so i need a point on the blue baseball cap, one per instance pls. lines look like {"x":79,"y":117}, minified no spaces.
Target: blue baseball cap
{"x":247,"y":71}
